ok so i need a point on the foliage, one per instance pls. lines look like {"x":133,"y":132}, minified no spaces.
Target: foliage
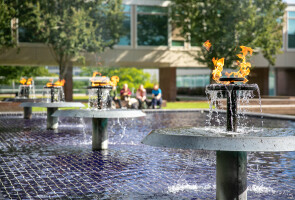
{"x":229,"y":24}
{"x":132,"y":76}
{"x":186,"y":105}
{"x":7,"y":13}
{"x":72,"y":28}
{"x":15,"y":73}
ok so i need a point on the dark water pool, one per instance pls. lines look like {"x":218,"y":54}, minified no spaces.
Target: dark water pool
{"x":40,"y":164}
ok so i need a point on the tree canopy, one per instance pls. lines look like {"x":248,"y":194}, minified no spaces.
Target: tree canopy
{"x":132,"y":76}
{"x":15,"y":73}
{"x":229,"y":24}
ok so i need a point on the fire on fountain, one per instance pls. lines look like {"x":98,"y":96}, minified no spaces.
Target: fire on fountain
{"x":26,"y":89}
{"x":53,"y":92}
{"x":231,"y":146}
{"x":99,"y":91}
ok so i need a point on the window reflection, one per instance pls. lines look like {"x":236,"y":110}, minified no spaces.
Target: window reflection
{"x":291,"y":29}
{"x":152,"y":26}
{"x":125,"y":39}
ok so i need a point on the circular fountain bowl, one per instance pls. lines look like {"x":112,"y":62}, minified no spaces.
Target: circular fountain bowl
{"x":100,"y":87}
{"x":211,"y":139}
{"x":52,"y":105}
{"x":114,"y":113}
{"x":230,"y":87}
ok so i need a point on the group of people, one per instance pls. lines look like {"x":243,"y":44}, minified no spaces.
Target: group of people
{"x":142,"y":100}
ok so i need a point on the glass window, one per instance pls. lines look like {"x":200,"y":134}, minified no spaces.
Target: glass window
{"x":177,"y":43}
{"x":152,"y":9}
{"x":27,"y":35}
{"x":291,"y":29}
{"x":125,"y":39}
{"x":152,"y":26}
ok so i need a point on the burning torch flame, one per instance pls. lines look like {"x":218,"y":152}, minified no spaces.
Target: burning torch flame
{"x":57,"y":83}
{"x":114,"y":80}
{"x":207,"y":45}
{"x":104,"y":80}
{"x":218,"y":64}
{"x":29,"y":81}
{"x":23,"y":81}
{"x":244,"y":66}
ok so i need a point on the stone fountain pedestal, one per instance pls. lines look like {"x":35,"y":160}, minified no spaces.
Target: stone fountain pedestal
{"x":231,"y":152}
{"x":99,"y":122}
{"x":52,"y":122}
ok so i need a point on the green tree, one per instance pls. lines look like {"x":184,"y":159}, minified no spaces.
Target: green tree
{"x":132,"y":76}
{"x":15,"y":73}
{"x":7,"y":34}
{"x":72,"y":28}
{"x":229,"y":24}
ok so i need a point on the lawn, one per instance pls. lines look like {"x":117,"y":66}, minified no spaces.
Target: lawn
{"x":170,"y":105}
{"x":187,"y":105}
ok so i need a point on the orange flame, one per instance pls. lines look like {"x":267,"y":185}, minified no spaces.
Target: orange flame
{"x":29,"y":81}
{"x":23,"y":81}
{"x":103,"y":81}
{"x":57,"y":83}
{"x":244,"y":66}
{"x":217,"y":72}
{"x":207,"y":45}
{"x":114,"y":80}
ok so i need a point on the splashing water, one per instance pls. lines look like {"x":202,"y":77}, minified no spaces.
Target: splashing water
{"x":57,"y":92}
{"x":215,"y":119}
{"x":94,"y":103}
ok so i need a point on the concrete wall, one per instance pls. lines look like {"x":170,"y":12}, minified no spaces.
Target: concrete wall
{"x":285,"y":81}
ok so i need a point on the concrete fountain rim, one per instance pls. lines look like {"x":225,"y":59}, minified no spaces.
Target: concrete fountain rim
{"x":88,"y":113}
{"x":51,"y":105}
{"x":218,"y":143}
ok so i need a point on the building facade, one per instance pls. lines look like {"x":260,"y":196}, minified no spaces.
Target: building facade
{"x":149,"y":41}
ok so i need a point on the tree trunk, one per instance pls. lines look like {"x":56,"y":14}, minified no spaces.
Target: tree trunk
{"x":66,"y":72}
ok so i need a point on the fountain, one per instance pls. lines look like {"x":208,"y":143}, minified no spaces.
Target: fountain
{"x":99,"y":110}
{"x":54,"y":99}
{"x":231,"y":145}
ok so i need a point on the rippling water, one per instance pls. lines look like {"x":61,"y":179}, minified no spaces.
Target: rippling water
{"x":40,"y":164}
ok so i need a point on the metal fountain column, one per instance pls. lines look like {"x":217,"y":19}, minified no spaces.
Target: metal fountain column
{"x":231,"y":166}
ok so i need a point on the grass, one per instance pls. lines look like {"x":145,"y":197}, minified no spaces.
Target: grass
{"x":186,"y":105}
{"x":170,"y":105}
{"x":38,"y":109}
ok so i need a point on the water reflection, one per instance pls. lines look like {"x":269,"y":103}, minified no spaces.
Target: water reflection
{"x":37,"y":163}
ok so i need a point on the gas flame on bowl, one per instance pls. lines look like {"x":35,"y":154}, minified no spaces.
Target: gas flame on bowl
{"x":56,"y":84}
{"x":23,"y":81}
{"x":207,"y":45}
{"x":244,"y":66}
{"x":103,"y":80}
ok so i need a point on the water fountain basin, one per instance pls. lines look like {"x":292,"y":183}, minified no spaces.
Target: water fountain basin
{"x":52,"y":105}
{"x":52,"y":121}
{"x":114,"y":113}
{"x":100,"y":118}
{"x":266,"y":139}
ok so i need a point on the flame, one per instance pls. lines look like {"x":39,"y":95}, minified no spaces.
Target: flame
{"x":243,"y":71}
{"x":103,"y":81}
{"x":114,"y":80}
{"x":218,"y":64}
{"x":207,"y":45}
{"x":244,"y":66}
{"x":23,"y":81}
{"x":29,"y":81}
{"x":57,"y":83}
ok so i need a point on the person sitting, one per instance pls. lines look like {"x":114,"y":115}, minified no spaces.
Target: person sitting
{"x":141,"y":96}
{"x":156,"y":96}
{"x":125,"y":93}
{"x":113,"y":96}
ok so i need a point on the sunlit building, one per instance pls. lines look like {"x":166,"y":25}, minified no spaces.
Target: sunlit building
{"x":150,"y":41}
